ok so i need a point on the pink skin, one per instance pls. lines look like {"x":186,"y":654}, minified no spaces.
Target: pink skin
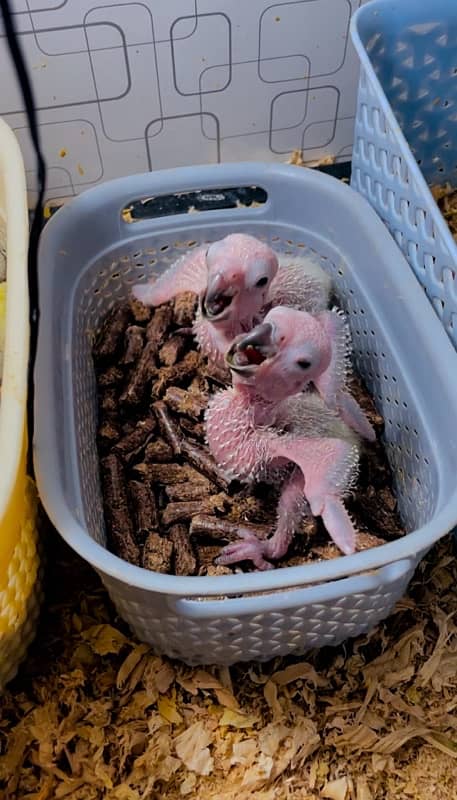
{"x":231,"y":277}
{"x":331,"y":384}
{"x":237,"y":278}
{"x":322,"y":342}
{"x":243,"y":431}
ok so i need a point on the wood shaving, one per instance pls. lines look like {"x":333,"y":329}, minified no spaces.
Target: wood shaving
{"x":296,"y":158}
{"x":96,"y":714}
{"x":446,"y":199}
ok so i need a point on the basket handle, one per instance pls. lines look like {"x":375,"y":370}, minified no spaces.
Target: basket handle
{"x":162,"y":205}
{"x":384,"y":579}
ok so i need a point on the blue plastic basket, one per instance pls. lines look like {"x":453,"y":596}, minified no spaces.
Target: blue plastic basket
{"x":90,"y":256}
{"x":406,"y":133}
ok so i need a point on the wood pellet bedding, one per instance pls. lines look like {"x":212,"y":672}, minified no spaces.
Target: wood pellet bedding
{"x":167,"y":508}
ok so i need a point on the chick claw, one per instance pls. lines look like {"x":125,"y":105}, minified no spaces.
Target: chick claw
{"x":247,"y":548}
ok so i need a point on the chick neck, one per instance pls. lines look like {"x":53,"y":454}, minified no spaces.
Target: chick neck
{"x":265,"y":411}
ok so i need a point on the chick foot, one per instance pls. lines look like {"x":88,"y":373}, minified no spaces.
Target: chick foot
{"x":291,"y":508}
{"x":247,"y":548}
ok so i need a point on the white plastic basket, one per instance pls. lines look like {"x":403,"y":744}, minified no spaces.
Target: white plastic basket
{"x":90,"y":257}
{"x":405,"y":137}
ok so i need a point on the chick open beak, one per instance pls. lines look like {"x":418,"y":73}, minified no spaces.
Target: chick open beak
{"x":252,"y":349}
{"x":217,"y":299}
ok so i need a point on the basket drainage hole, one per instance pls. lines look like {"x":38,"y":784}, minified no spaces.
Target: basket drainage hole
{"x":115,"y":275}
{"x":139,"y":265}
{"x":164,"y":248}
{"x":151,"y":262}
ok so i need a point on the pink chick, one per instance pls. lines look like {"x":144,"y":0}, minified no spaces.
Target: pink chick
{"x":245,"y":430}
{"x":324,"y":343}
{"x":237,"y":279}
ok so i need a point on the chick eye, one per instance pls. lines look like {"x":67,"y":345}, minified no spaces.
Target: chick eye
{"x":262,"y":281}
{"x":303,"y":364}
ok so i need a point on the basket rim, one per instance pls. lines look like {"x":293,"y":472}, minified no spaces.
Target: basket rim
{"x":430,"y":205}
{"x":14,"y":379}
{"x":110,"y":565}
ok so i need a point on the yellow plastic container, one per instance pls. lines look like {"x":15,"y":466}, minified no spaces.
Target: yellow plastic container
{"x":19,"y":556}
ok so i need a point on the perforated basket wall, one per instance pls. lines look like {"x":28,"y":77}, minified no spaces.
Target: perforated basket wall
{"x":405,"y":137}
{"x":255,"y":616}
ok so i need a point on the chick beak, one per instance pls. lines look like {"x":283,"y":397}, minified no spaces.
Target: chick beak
{"x":217,"y":299}
{"x":249,"y":351}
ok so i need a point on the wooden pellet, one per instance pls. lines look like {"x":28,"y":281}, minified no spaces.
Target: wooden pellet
{"x":215,"y":528}
{"x":184,"y":307}
{"x":175,"y":512}
{"x":203,"y":463}
{"x":185,"y":562}
{"x":182,"y":402}
{"x":145,"y":370}
{"x":134,"y":338}
{"x":157,"y":553}
{"x":140,"y":312}
{"x":145,"y":508}
{"x":168,"y":428}
{"x":111,"y":333}
{"x":173,"y":350}
{"x":117,"y":514}
{"x":132,"y":444}
{"x":158,"y":451}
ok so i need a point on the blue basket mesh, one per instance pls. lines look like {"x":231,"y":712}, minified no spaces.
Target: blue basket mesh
{"x":406,"y":133}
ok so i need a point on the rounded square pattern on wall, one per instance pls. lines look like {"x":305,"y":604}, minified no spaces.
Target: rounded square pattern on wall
{"x":25,"y":6}
{"x":48,"y":67}
{"x":124,"y":63}
{"x":299,"y":33}
{"x":310,"y":129}
{"x":61,"y":155}
{"x":198,"y":43}
{"x":177,"y":141}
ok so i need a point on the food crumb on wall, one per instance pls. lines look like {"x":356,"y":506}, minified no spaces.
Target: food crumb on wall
{"x":80,"y":169}
{"x":62,"y":152}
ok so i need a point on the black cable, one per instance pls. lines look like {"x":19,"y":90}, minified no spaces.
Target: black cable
{"x":37,"y":222}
